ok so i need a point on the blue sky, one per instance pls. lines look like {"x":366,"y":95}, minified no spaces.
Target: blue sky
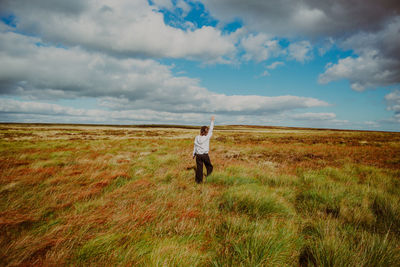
{"x":283,"y":63}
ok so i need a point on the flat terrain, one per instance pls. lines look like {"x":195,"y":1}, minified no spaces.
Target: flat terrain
{"x":101,"y":195}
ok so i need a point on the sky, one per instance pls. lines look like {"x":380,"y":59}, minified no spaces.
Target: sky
{"x":321,"y":64}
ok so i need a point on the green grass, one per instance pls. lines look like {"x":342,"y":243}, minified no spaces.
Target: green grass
{"x":333,"y":245}
{"x":254,"y":200}
{"x":255,"y":243}
{"x":228,"y":180}
{"x":98,"y":248}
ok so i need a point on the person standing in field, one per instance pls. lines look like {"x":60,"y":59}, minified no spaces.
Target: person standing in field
{"x":200,"y":151}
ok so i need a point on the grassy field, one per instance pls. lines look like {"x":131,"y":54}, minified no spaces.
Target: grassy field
{"x":101,"y":196}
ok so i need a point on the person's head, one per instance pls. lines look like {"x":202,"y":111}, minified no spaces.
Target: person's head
{"x":204,"y":130}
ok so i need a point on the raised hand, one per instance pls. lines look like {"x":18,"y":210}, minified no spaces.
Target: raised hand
{"x":212,"y":118}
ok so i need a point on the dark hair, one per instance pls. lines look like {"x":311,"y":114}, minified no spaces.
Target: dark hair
{"x":204,"y":130}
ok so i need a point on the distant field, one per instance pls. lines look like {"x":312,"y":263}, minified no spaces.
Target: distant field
{"x":101,"y":196}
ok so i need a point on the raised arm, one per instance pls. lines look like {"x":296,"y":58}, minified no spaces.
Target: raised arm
{"x":211,"y":127}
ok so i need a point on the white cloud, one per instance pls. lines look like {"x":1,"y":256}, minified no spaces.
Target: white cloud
{"x":272,"y":66}
{"x":319,"y":120}
{"x":172,"y":6}
{"x":34,"y":111}
{"x":314,"y":116}
{"x":275,"y":64}
{"x":120,"y":27}
{"x":326,"y":45}
{"x":397,"y":118}
{"x":58,"y":113}
{"x":393,"y":101}
{"x":260,"y":47}
{"x":253,"y":104}
{"x":163,"y":3}
{"x":368,"y":70}
{"x":185,"y":7}
{"x":42,"y":72}
{"x":377,"y":63}
{"x":300,"y":51}
{"x":368,"y":27}
{"x":392,"y":104}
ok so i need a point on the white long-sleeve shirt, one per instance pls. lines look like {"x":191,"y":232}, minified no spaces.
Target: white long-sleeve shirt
{"x":202,"y":142}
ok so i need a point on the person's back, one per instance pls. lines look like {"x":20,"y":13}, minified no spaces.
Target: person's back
{"x":201,"y":149}
{"x":202,"y":142}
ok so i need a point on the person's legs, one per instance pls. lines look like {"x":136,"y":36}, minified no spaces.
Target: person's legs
{"x":199,"y":168}
{"x":208,"y":164}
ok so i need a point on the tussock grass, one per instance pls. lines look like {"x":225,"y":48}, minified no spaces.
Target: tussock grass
{"x":254,"y":200}
{"x":387,"y":211}
{"x":176,"y":252}
{"x":228,"y":180}
{"x":326,"y":199}
{"x":278,"y":180}
{"x":98,"y":249}
{"x":329,"y":244}
{"x":104,"y":196}
{"x":255,"y":243}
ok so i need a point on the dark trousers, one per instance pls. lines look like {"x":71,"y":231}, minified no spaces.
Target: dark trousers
{"x":200,"y":159}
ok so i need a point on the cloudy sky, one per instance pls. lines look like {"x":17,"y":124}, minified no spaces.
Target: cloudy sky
{"x":328,"y":64}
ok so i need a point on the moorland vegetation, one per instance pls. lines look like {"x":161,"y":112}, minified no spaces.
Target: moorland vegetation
{"x":98,"y":195}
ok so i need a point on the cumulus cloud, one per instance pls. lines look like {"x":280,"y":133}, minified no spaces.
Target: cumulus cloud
{"x":272,"y":66}
{"x":377,"y":63}
{"x":45,"y":72}
{"x":39,"y":111}
{"x":300,"y":51}
{"x":163,"y":3}
{"x":120,"y":27}
{"x":260,"y":47}
{"x":254,"y":104}
{"x":368,"y":70}
{"x":178,"y":6}
{"x":370,"y":28}
{"x":329,"y":18}
{"x":393,"y":101}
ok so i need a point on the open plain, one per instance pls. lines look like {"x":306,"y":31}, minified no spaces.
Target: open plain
{"x":107,"y":195}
